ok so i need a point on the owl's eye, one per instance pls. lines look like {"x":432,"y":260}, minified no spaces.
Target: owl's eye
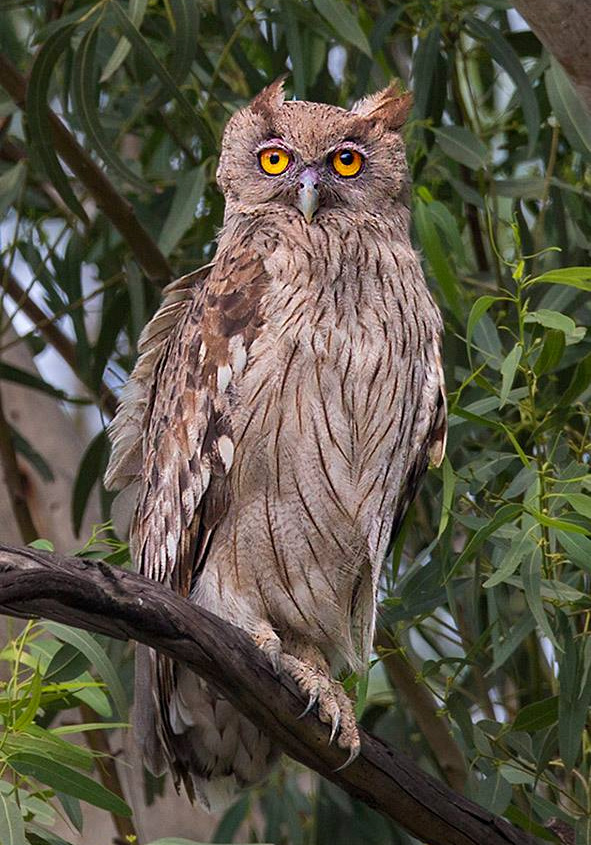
{"x":274,"y":160}
{"x":347,"y":162}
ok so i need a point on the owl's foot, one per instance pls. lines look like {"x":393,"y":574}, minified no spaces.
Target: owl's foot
{"x":334,"y":706}
{"x":270,"y":644}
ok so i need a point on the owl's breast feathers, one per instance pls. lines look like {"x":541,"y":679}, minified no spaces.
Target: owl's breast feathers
{"x":320,"y":352}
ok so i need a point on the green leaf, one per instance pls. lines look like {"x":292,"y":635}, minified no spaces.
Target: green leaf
{"x":462,"y":145}
{"x":72,"y":809}
{"x":531,"y":577}
{"x":38,"y":115}
{"x":184,"y":19}
{"x":11,"y":183}
{"x":583,"y":831}
{"x":503,"y":53}
{"x":66,"y":665}
{"x":574,"y":120}
{"x":295,"y":49}
{"x":494,"y":793}
{"x":574,"y":700}
{"x":33,"y":698}
{"x":64,"y":779}
{"x":341,"y":19}
{"x":449,"y":484}
{"x":90,"y":648}
{"x":520,"y":546}
{"x":139,"y":43}
{"x":577,"y":547}
{"x":579,"y":382}
{"x":137,"y":10}
{"x":12,"y":826}
{"x":508,"y":371}
{"x":580,"y":502}
{"x":478,"y":310}
{"x":433,"y":248}
{"x":91,"y":469}
{"x":552,"y":320}
{"x":190,"y":188}
{"x":505,"y":514}
{"x":41,"y":741}
{"x":537,"y":716}
{"x":551,"y":353}
{"x":23,"y":377}
{"x":84,"y":87}
{"x":37,"y":835}
{"x":576,"y":277}
{"x":35,"y":458}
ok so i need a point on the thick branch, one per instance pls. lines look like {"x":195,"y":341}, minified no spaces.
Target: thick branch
{"x":121,"y":604}
{"x":564,"y":28}
{"x":115,"y":207}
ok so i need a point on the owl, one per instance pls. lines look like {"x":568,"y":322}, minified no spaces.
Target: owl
{"x":284,"y":407}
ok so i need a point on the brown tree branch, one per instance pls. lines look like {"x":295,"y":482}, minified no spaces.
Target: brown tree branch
{"x":564,"y":28}
{"x":434,"y":727}
{"x":52,"y":334}
{"x":121,"y":604}
{"x":117,"y":209}
{"x":13,"y":481}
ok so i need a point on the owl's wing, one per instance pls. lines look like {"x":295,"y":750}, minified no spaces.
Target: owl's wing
{"x":172,"y":434}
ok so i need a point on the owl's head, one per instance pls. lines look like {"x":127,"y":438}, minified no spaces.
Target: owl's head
{"x":315,"y":158}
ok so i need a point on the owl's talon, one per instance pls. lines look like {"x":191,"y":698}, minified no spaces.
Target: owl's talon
{"x":313,"y":700}
{"x":336,"y":724}
{"x":353,"y":755}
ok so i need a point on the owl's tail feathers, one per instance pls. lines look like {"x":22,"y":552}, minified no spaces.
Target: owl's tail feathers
{"x":207,"y":744}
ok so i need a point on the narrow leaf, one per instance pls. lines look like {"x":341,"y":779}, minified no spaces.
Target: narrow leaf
{"x":12,"y":826}
{"x":64,"y":779}
{"x":90,"y":648}
{"x":343,"y":21}
{"x":508,"y":371}
{"x":462,"y":145}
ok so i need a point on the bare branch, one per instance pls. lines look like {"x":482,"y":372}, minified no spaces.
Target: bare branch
{"x":114,"y":206}
{"x":121,"y":604}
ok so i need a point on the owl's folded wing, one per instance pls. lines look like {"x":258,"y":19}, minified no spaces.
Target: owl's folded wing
{"x":172,"y":435}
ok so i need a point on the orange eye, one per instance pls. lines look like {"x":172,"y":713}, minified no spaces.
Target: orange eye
{"x":274,"y":160}
{"x":347,"y":162}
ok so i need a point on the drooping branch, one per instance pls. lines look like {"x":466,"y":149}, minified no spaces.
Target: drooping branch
{"x":113,"y":205}
{"x":123,"y":605}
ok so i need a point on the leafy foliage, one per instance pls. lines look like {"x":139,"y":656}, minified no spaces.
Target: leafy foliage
{"x":493,"y":614}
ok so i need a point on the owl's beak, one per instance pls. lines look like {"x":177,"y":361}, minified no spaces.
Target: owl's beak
{"x":308,"y":194}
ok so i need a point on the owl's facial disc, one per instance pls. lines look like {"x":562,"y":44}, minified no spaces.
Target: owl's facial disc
{"x":307,"y":199}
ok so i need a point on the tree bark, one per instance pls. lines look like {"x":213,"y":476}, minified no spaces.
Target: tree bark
{"x":121,"y":604}
{"x":564,"y":28}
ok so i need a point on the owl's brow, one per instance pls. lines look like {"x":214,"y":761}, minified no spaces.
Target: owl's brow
{"x":273,"y":140}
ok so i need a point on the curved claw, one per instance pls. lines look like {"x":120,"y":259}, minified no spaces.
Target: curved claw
{"x":336,"y":723}
{"x":353,"y":755}
{"x":311,"y":703}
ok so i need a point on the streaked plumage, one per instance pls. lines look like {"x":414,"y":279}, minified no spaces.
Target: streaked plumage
{"x":281,"y":414}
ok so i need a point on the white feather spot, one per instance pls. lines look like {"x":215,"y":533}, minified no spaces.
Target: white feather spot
{"x":224,"y":377}
{"x":171,"y":546}
{"x":226,"y":451}
{"x":202,"y":352}
{"x":205,"y":478}
{"x":238,"y":350}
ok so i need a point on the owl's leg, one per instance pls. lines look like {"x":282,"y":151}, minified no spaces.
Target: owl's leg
{"x":306,"y":664}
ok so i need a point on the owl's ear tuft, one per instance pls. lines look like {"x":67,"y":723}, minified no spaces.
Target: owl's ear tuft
{"x":390,"y":106}
{"x":270,"y":98}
